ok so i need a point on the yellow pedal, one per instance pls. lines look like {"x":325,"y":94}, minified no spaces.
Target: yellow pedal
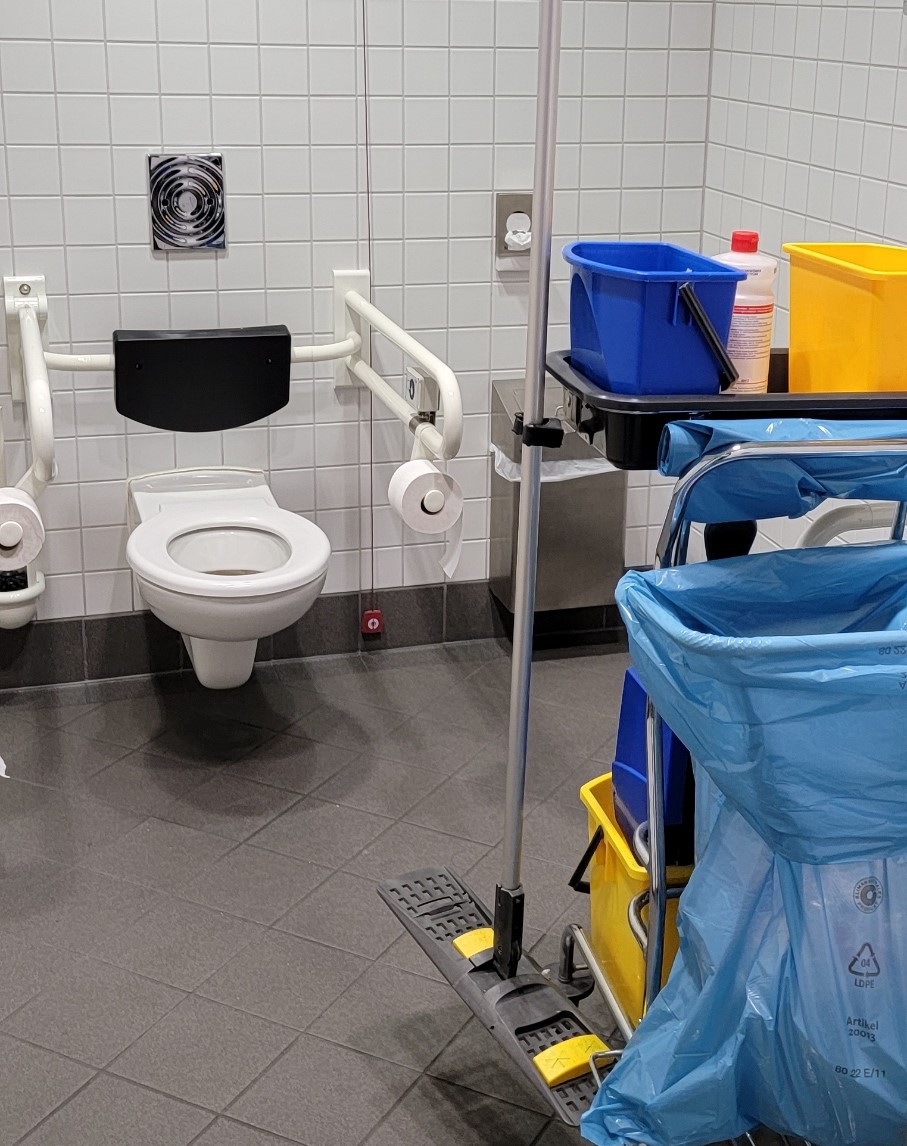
{"x":470,"y":944}
{"x":569,"y":1059}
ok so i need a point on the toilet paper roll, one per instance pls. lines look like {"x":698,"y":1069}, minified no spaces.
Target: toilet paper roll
{"x":431,"y":502}
{"x":21,"y":529}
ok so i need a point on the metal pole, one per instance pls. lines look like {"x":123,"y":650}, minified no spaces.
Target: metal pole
{"x":508,"y":930}
{"x":658,"y":874}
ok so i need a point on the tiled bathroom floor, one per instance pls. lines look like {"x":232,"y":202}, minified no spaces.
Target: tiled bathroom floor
{"x":191,"y":946}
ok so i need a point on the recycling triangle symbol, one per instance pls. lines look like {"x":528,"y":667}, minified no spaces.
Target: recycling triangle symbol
{"x":864,"y":964}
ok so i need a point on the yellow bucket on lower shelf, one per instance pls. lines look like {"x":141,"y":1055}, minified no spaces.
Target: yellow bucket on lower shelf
{"x":847,"y":308}
{"x":615,"y":879}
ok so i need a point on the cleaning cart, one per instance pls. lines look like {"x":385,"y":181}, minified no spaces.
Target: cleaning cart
{"x":478,"y":947}
{"x":758,"y":663}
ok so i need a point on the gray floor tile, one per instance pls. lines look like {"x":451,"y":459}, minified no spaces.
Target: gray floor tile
{"x":407,"y":690}
{"x":179,"y":943}
{"x":226,"y":1133}
{"x":401,"y":1017}
{"x":469,"y":811}
{"x":201,"y":740}
{"x":159,"y":854}
{"x":52,"y":707}
{"x":476,"y":1061}
{"x":423,"y":741}
{"x":229,"y":806}
{"x":18,"y":729}
{"x":131,"y":722}
{"x":381,"y":786}
{"x":33,"y":1082}
{"x":568,"y":792}
{"x":293,"y":763}
{"x":407,"y":847}
{"x":557,"y":1134}
{"x":92,"y":1012}
{"x":62,"y":760}
{"x":557,"y":832}
{"x":347,"y":724}
{"x":323,"y":1094}
{"x":63,"y":826}
{"x":266,"y":703}
{"x":74,"y":909}
{"x":284,"y":978}
{"x":27,"y":969}
{"x":406,"y":955}
{"x":553,"y":755}
{"x":254,"y":884}
{"x":345,"y":912}
{"x":445,"y":1115}
{"x":321,"y":832}
{"x":145,"y":783}
{"x":112,"y":1112}
{"x":473,"y":706}
{"x":203,"y":1052}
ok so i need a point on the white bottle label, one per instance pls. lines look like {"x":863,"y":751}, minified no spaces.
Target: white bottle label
{"x":750,"y":346}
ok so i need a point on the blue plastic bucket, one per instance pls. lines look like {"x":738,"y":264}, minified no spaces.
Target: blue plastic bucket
{"x":630,"y":331}
{"x":631,"y":785}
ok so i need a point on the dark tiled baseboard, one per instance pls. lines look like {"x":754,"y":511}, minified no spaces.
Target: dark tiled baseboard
{"x":137,"y":644}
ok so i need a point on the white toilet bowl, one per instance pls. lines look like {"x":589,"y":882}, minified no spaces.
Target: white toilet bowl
{"x":218,"y":560}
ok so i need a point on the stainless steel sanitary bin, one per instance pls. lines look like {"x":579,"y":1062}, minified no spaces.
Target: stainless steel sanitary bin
{"x":581,"y":521}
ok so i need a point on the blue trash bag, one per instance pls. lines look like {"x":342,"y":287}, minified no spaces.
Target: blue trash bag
{"x":786,"y":676}
{"x":789,"y":485}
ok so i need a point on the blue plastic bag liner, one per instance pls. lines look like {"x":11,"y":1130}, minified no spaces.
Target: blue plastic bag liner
{"x":784,"y":486}
{"x":786,"y":676}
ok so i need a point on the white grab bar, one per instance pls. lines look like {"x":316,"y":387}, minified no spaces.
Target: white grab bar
{"x":441,"y":444}
{"x":844,"y":518}
{"x":350,"y":347}
{"x":38,"y":405}
{"x":101,"y":362}
{"x":329,"y":352}
{"x":78,"y":362}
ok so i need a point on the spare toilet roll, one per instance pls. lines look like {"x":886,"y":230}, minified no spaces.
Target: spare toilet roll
{"x":21,"y":529}
{"x":431,"y":502}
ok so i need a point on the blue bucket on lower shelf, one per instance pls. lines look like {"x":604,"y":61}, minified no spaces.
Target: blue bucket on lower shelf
{"x":631,"y":332}
{"x":631,"y":786}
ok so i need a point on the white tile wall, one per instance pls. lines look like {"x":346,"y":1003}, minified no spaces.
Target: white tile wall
{"x":278,"y":87}
{"x":807,"y":134}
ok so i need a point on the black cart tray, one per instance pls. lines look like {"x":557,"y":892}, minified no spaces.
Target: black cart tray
{"x":627,"y":428}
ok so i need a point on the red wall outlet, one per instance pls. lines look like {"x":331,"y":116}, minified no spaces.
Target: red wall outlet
{"x":372,"y":622}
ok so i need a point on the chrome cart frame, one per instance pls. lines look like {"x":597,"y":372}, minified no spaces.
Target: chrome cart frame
{"x":649,"y":841}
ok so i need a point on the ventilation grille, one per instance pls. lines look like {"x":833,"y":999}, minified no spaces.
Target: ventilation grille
{"x":186,"y":194}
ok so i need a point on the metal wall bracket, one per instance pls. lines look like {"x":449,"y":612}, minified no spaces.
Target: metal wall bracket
{"x":21,"y":291}
{"x":346,"y":320}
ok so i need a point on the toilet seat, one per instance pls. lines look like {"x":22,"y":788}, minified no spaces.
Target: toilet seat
{"x":148,"y":550}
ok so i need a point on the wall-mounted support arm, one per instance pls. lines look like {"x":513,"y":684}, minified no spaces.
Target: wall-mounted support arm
{"x":355,"y":317}
{"x":329,"y":352}
{"x":441,"y":444}
{"x":39,"y":411}
{"x":79,"y":362}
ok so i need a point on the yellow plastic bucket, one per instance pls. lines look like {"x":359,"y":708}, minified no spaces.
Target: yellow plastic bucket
{"x":615,"y":879}
{"x":848,"y":305}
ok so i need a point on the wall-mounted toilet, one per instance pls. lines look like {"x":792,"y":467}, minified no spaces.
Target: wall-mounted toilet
{"x":218,"y":560}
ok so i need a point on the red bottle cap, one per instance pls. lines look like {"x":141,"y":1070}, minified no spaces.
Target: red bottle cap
{"x":746,"y":242}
